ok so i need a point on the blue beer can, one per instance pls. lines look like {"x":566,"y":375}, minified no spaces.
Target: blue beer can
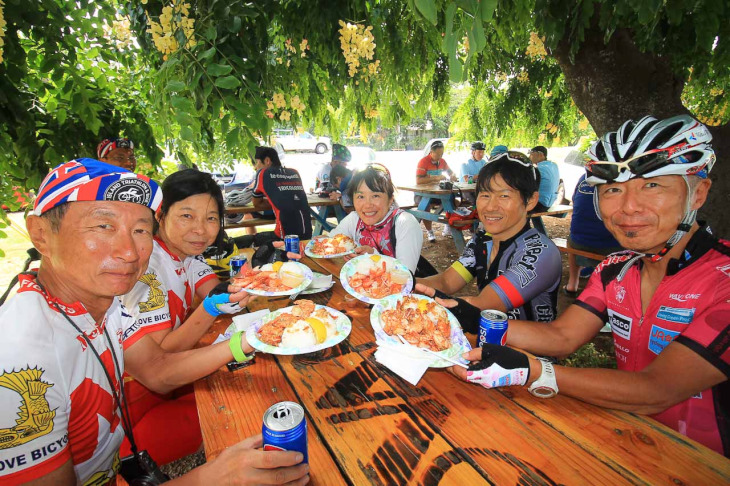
{"x":237,"y":263}
{"x":291,"y":243}
{"x":492,"y":327}
{"x":285,"y":429}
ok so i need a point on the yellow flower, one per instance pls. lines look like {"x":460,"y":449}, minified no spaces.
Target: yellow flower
{"x":270,"y":105}
{"x":285,"y":115}
{"x":269,"y":114}
{"x":279,"y":100}
{"x":536,"y":47}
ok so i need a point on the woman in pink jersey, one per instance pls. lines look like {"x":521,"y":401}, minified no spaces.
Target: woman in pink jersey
{"x":189,"y":221}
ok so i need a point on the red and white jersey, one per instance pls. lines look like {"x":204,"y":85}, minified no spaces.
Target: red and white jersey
{"x":55,"y":399}
{"x":691,"y":306}
{"x":163,"y":296}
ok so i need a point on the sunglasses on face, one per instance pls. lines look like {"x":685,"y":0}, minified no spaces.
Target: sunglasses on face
{"x":121,"y":160}
{"x":638,"y":165}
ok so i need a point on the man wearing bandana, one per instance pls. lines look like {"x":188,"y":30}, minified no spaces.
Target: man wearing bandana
{"x":117,"y":151}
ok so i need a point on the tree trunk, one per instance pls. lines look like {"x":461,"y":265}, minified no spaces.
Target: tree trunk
{"x":614,"y":82}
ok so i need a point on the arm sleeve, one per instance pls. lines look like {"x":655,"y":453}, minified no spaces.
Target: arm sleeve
{"x":532,"y":271}
{"x":408,"y":240}
{"x":200,"y":272}
{"x":258,"y":188}
{"x":148,"y":305}
{"x":29,"y":359}
{"x":709,"y":332}
{"x":466,"y":265}
{"x":347,"y":226}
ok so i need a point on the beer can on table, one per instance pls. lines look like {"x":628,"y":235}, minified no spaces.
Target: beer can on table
{"x":237,"y":263}
{"x":285,"y":428}
{"x":291,"y":243}
{"x":492,"y":327}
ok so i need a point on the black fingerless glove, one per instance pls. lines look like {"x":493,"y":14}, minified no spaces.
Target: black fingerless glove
{"x":266,"y":253}
{"x":500,"y":366}
{"x":468,"y":315}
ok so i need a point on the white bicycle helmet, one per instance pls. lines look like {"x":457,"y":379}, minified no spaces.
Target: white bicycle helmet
{"x":679,"y":145}
{"x":239,"y":197}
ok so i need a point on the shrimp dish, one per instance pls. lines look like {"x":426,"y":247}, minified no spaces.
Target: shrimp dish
{"x":422,"y":323}
{"x":301,"y":325}
{"x":276,"y":277}
{"x":335,"y":245}
{"x":376,"y":277}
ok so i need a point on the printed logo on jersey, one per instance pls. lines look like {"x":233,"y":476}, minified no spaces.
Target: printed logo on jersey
{"x":612,"y":260}
{"x":155,"y":297}
{"x":660,"y":338}
{"x":129,"y":190}
{"x":674,"y":314}
{"x":724,"y":269}
{"x":525,"y":267}
{"x":620,"y":324}
{"x":35,"y":417}
{"x":684,"y":297}
{"x":620,"y":294}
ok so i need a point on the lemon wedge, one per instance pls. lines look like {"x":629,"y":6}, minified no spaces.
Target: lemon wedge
{"x":277,"y":266}
{"x":291,"y":279}
{"x":320,"y":331}
{"x":375,"y":258}
{"x":422,"y":304}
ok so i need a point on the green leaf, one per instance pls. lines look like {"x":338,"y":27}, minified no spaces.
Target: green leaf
{"x":175,"y":86}
{"x":232,"y":138}
{"x":228,"y":82}
{"x":477,"y":39}
{"x":61,"y":116}
{"x":427,"y":9}
{"x":186,"y":133}
{"x":218,"y":69}
{"x":207,"y":53}
{"x":182,"y":104}
{"x":487,"y":8}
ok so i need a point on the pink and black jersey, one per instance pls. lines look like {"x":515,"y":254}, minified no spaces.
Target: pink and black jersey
{"x":525,"y":273}
{"x":56,"y":402}
{"x":283,"y":189}
{"x":691,"y":306}
{"x":163,"y":296}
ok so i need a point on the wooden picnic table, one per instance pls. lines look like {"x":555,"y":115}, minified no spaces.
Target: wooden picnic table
{"x":432,"y":194}
{"x":318,"y":207}
{"x":368,"y":426}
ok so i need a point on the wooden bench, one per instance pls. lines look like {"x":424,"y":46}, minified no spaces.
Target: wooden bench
{"x":562,"y":245}
{"x":249,"y":223}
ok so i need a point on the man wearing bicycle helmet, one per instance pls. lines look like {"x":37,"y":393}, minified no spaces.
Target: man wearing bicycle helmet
{"x":469,"y":170}
{"x":667,"y":297}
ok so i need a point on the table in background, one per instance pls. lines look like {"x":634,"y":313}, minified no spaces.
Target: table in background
{"x":368,"y":426}
{"x":318,"y":207}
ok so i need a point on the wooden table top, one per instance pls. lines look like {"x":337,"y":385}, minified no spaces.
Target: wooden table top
{"x":368,"y":426}
{"x":312,"y":200}
{"x":554,"y":211}
{"x":434,"y":188}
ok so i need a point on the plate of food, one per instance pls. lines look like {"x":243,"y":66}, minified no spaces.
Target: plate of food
{"x":423,"y":323}
{"x":278,"y":278}
{"x":329,"y":246}
{"x":302,"y":328}
{"x":316,"y":287}
{"x":373,"y":277}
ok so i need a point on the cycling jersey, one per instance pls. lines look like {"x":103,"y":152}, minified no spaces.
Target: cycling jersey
{"x":283,"y":189}
{"x":525,"y":273}
{"x":427,"y":167}
{"x":691,"y":306}
{"x":56,"y":403}
{"x":163,"y":296}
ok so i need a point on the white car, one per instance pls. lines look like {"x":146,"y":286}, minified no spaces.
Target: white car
{"x":571,"y":169}
{"x":304,"y":141}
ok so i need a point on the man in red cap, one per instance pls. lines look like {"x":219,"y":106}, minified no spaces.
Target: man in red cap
{"x":117,"y":151}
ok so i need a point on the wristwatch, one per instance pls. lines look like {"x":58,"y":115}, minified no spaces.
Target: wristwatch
{"x":546,"y":386}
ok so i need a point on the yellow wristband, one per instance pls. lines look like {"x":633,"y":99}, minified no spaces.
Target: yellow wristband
{"x":235,"y":345}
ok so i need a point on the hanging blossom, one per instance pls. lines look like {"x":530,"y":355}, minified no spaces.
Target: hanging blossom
{"x":2,"y":28}
{"x":536,"y":47}
{"x":174,"y":17}
{"x":358,"y":46}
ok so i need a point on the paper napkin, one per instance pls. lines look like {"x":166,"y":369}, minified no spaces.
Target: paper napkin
{"x":402,"y":361}
{"x":241,"y":323}
{"x":321,"y":282}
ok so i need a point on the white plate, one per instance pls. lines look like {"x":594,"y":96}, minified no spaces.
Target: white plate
{"x":305,"y":283}
{"x":343,"y":324}
{"x":348,"y":270}
{"x":459,"y":343}
{"x":308,"y":250}
{"x":316,"y":275}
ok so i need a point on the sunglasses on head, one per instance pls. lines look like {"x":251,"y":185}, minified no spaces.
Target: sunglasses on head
{"x":520,"y":158}
{"x":377,"y":167}
{"x":638,"y":165}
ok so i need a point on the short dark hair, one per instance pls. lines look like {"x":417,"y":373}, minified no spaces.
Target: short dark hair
{"x":376,"y":180}
{"x":524,"y":179}
{"x":55,"y":215}
{"x":540,"y":149}
{"x":271,"y":153}
{"x":191,"y":182}
{"x":339,"y":171}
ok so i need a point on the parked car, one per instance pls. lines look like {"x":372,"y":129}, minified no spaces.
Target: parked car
{"x":304,"y":141}
{"x":571,"y":168}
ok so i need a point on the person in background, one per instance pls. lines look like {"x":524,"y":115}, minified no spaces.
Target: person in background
{"x":339,"y":178}
{"x":517,"y":268}
{"x":118,"y":152}
{"x":280,"y":189}
{"x":587,"y":233}
{"x":667,"y":297}
{"x":378,"y":225}
{"x":549,"y":178}
{"x":431,"y":170}
{"x":340,"y":156}
{"x":469,"y":170}
{"x":67,"y":340}
{"x":498,"y":149}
